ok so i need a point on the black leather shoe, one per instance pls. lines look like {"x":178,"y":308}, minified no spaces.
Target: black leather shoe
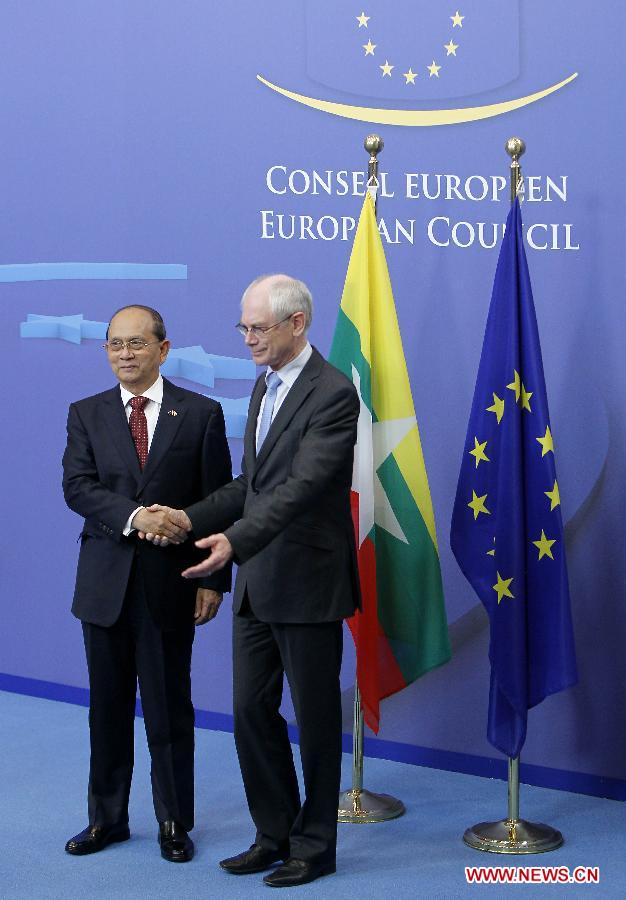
{"x":298,"y":871}
{"x":256,"y":859}
{"x":96,"y":838}
{"x":176,"y":845}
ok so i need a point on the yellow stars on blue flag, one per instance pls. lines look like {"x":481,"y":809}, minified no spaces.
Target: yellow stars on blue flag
{"x":479,"y":451}
{"x":502,"y":587}
{"x":531,"y":646}
{"x":525,"y":399}
{"x":546,"y":442}
{"x":497,"y":407}
{"x":477,"y":505}
{"x":554,"y":497}
{"x":515,"y":385}
{"x":522,"y":396}
{"x":544,"y":545}
{"x":433,"y":69}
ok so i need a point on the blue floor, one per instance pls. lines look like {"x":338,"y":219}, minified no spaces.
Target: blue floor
{"x":43,"y":768}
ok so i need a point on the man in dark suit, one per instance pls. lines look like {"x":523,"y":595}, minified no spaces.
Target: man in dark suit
{"x":286,"y":522}
{"x":143,"y":441}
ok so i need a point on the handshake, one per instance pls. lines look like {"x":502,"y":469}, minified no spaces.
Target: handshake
{"x":162,"y":525}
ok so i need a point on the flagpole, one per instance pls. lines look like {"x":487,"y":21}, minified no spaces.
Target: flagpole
{"x":513,"y":835}
{"x":359,"y":805}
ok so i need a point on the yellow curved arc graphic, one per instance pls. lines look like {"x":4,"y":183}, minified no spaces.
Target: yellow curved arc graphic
{"x":416,"y":117}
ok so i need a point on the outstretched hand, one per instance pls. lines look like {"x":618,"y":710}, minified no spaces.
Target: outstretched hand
{"x":221,"y":553}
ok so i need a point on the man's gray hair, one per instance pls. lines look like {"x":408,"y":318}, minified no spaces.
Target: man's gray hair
{"x":287,"y":296}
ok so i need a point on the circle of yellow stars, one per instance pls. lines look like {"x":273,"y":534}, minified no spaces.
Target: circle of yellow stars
{"x":433,"y":69}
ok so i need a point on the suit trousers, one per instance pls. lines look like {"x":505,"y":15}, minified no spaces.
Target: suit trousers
{"x":310,"y":656}
{"x":135,"y":649}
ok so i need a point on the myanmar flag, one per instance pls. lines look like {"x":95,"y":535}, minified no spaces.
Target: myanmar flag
{"x":401,"y":631}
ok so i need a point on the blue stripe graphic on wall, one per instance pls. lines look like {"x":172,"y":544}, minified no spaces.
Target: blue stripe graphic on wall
{"x":65,"y":271}
{"x":191,"y":363}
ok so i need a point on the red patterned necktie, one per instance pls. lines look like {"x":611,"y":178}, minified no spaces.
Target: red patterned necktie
{"x":139,"y":428}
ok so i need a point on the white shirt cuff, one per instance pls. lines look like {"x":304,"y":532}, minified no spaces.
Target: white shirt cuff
{"x":128,"y":528}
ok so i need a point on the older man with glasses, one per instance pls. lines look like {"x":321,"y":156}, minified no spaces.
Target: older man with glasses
{"x":286,"y":522}
{"x":142,"y":441}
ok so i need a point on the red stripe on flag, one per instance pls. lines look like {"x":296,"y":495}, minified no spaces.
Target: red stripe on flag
{"x":378,"y":673}
{"x":354,"y":509}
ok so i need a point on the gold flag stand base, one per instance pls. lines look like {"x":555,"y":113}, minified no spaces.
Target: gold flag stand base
{"x":363,"y":806}
{"x":358,"y":806}
{"x":513,"y":836}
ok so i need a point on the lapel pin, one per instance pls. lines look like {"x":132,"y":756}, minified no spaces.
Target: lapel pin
{"x":172,"y":412}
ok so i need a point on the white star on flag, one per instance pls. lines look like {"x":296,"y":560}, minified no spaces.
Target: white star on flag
{"x":375,"y":442}
{"x":363,"y":471}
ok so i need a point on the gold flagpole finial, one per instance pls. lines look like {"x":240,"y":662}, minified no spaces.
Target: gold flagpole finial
{"x":373,"y":144}
{"x":515,"y":147}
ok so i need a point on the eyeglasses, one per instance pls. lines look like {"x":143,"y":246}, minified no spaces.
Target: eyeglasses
{"x":258,"y":330}
{"x":135,"y":345}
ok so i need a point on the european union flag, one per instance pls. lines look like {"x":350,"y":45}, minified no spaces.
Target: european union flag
{"x":507,"y":531}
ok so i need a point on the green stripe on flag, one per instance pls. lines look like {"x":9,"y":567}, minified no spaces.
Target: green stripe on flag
{"x":409,"y":583}
{"x":346,"y":352}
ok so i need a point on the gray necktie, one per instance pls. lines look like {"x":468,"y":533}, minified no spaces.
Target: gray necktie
{"x":273,"y":382}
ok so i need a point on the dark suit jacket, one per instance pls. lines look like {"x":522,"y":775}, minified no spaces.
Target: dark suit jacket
{"x":102,"y":481}
{"x":288,"y":513}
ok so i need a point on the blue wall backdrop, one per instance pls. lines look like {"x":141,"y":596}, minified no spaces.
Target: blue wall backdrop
{"x":142,"y":160}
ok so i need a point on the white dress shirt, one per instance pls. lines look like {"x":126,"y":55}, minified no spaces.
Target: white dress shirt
{"x":288,"y":375}
{"x":151,"y":410}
